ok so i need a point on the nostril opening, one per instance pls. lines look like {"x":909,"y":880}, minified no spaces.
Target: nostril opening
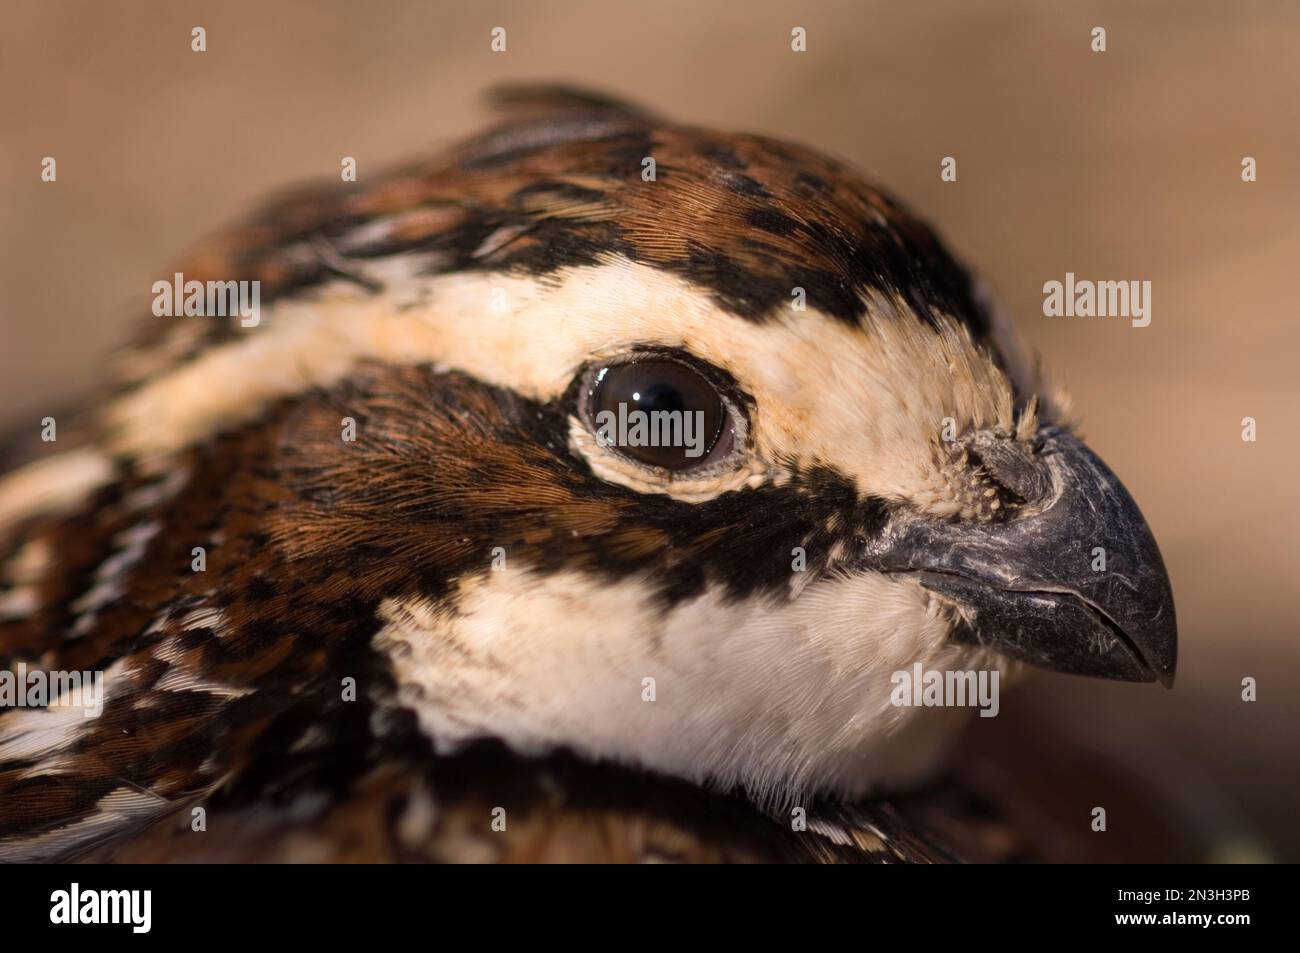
{"x":1013,"y":465}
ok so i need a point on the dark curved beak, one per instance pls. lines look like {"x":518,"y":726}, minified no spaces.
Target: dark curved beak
{"x":1074,"y":582}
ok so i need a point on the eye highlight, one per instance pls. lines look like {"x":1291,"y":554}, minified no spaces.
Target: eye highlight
{"x":659,"y":412}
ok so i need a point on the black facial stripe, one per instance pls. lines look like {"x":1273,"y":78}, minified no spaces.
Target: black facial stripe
{"x":741,"y":540}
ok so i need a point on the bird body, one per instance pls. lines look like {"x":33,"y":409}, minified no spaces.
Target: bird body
{"x":323,"y":558}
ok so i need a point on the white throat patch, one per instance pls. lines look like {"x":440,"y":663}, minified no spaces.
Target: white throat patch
{"x":781,"y":699}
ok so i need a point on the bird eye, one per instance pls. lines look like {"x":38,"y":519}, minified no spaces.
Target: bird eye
{"x":659,"y":412}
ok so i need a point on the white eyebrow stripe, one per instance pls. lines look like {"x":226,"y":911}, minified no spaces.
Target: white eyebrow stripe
{"x":869,"y":401}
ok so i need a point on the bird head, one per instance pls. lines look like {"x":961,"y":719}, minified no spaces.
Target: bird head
{"x":427,"y":453}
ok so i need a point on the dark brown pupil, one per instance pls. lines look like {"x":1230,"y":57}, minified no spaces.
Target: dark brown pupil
{"x":659,"y":412}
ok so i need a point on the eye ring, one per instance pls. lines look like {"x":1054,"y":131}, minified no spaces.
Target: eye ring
{"x":676,"y":418}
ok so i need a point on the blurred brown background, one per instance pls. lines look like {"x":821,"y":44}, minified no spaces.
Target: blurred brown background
{"x":1120,"y":165}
